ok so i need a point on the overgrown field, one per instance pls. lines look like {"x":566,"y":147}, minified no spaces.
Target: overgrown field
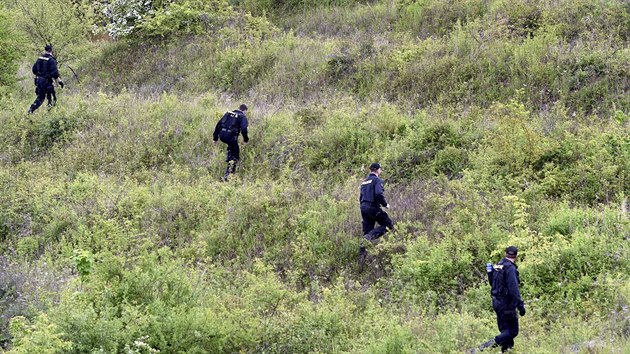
{"x":496,"y":122}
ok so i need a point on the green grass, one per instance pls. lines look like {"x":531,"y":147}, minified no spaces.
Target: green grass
{"x":496,"y":123}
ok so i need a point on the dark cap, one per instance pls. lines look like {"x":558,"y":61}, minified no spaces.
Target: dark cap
{"x":511,"y":252}
{"x":48,"y":48}
{"x":375,"y":166}
{"x":242,"y":107}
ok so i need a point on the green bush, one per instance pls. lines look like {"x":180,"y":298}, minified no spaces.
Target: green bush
{"x":343,"y":141}
{"x":187,"y":17}
{"x":434,"y":273}
{"x":240,"y":68}
{"x":41,"y":337}
{"x":437,"y":17}
{"x":582,"y":18}
{"x":9,"y":52}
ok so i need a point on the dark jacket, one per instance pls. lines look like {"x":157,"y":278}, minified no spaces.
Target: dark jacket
{"x":372,"y":191}
{"x":46,"y":67}
{"x":235,"y":125}
{"x":505,"y":290}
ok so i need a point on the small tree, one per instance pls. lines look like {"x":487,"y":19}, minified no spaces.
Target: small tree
{"x":66,"y":24}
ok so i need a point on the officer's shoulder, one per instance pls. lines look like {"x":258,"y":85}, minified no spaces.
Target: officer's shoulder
{"x":509,"y":265}
{"x":44,"y":58}
{"x":504,"y":262}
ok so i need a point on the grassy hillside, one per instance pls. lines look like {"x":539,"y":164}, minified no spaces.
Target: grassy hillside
{"x":496,"y":122}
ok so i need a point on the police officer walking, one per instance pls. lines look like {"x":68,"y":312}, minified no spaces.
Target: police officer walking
{"x":229,"y":127}
{"x":45,"y":71}
{"x":506,"y":299}
{"x":372,"y":198}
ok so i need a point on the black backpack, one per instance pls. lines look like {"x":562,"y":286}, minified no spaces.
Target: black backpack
{"x":42,"y":67}
{"x":231,"y":122}
{"x":499,"y":287}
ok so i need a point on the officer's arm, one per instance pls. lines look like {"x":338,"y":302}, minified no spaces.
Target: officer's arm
{"x":379,"y":192}
{"x":217,"y":129}
{"x":512,"y":285}
{"x":244,"y":129}
{"x":54,"y":72}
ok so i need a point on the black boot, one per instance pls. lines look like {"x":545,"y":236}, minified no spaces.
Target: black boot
{"x":489,"y":344}
{"x":231,"y":166}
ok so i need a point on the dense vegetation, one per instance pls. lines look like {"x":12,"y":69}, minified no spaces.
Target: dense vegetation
{"x":497,"y":123}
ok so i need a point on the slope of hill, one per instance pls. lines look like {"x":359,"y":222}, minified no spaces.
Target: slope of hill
{"x":496,"y":122}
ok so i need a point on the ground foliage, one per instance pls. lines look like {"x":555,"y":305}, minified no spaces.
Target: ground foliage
{"x":497,"y":123}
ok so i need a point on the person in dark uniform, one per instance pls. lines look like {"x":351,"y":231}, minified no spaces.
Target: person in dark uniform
{"x":46,"y":72}
{"x":229,"y":127}
{"x":372,"y":198}
{"x":506,"y":299}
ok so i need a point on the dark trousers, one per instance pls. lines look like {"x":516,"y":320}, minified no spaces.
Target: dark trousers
{"x":233,"y":150}
{"x":507,"y":321}
{"x":43,"y":89}
{"x":371,"y":215}
{"x":51,"y":96}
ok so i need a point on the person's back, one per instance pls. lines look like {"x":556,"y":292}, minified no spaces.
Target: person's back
{"x":230,"y":123}
{"x":505,"y":284}
{"x":368,"y":186}
{"x":41,"y":67}
{"x":499,"y":289}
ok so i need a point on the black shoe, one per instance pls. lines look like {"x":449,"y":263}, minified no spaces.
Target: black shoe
{"x":489,"y":344}
{"x":373,"y":240}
